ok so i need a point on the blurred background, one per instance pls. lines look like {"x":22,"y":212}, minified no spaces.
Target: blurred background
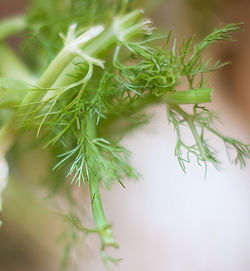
{"x":168,"y":220}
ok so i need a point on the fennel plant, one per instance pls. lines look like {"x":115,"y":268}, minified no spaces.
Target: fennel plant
{"x":93,"y":67}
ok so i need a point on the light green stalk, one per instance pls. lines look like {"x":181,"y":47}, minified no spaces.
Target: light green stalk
{"x":12,"y":91}
{"x":12,"y":66}
{"x":65,"y":56}
{"x":192,"y":96}
{"x":56,"y":75}
{"x":11,"y":26}
{"x":101,"y":224}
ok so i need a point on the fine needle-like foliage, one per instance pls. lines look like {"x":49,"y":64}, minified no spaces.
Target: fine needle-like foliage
{"x":97,"y":66}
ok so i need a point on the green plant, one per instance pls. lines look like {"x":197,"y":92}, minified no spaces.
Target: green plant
{"x":97,"y":66}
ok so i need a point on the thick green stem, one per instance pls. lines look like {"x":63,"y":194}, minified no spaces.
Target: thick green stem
{"x":72,"y":46}
{"x":192,"y":96}
{"x":101,"y":224}
{"x":11,"y":26}
{"x":12,"y":66}
{"x":50,"y":75}
{"x":12,"y":91}
{"x":59,"y":70}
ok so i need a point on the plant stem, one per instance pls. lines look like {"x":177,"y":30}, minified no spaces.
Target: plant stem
{"x":12,"y":66}
{"x":193,"y":96}
{"x":50,"y":75}
{"x":62,"y":65}
{"x":101,"y":224}
{"x":11,"y":26}
{"x":99,"y":217}
{"x":65,"y":56}
{"x":7,"y":136}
